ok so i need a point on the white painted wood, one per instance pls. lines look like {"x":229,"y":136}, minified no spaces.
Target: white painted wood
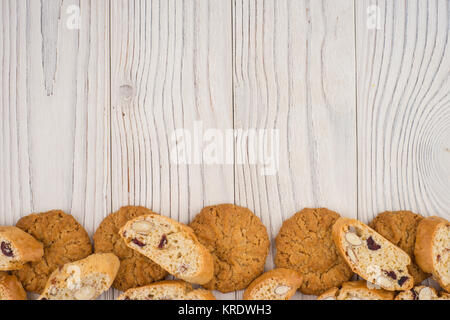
{"x":362,"y":144}
{"x":171,"y":67}
{"x":294,"y":71}
{"x":403,"y":107}
{"x":54,"y":126}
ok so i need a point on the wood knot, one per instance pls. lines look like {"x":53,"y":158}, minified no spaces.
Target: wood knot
{"x":126,"y":92}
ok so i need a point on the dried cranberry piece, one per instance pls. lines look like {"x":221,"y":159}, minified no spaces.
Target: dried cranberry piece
{"x":163,"y":242}
{"x":137,"y":242}
{"x":6,"y":249}
{"x":402,"y":280}
{"x":438,"y":257}
{"x":372,"y":245}
{"x":391,"y":274}
{"x":183,"y":268}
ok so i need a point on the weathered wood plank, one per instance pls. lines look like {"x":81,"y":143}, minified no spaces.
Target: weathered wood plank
{"x":54,"y":126}
{"x":403,"y":64}
{"x":171,"y":68}
{"x":294,"y":72}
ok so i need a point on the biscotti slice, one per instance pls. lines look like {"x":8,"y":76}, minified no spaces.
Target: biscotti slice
{"x":372,"y":256}
{"x":18,"y":248}
{"x":11,"y":288}
{"x":277,"y":284}
{"x":167,"y":290}
{"x":84,"y":279}
{"x":432,"y":249}
{"x":356,"y":290}
{"x":422,"y":293}
{"x":170,"y":244}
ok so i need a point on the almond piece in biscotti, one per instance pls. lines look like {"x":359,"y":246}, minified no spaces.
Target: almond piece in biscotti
{"x":353,"y":239}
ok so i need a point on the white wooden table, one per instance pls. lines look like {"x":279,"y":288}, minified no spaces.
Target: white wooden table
{"x":359,"y":92}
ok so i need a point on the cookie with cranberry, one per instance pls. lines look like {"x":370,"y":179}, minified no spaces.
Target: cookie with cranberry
{"x":400,"y":228}
{"x":372,"y":256}
{"x":304,"y":244}
{"x":17,"y":248}
{"x":170,"y":244}
{"x":238,"y":242}
{"x":64,"y":240}
{"x":135,"y":269}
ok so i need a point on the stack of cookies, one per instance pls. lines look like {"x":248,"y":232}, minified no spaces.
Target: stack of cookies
{"x":225,"y":248}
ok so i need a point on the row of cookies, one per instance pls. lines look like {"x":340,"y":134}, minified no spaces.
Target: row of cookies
{"x":362,"y":290}
{"x":327,"y":249}
{"x":51,"y":254}
{"x":146,"y":245}
{"x":227,"y":251}
{"x":224,"y":248}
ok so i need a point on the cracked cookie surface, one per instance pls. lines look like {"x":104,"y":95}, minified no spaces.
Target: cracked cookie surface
{"x":135,"y":269}
{"x":400,"y":228}
{"x":64,"y":240}
{"x":238,"y":242}
{"x":304,"y":243}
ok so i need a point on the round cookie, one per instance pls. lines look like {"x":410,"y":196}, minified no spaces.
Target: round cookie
{"x":135,"y":269}
{"x":64,"y":240}
{"x":400,"y":228}
{"x":304,"y":243}
{"x":238,"y":242}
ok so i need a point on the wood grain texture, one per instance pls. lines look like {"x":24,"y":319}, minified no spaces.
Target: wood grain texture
{"x":403,"y":107}
{"x":294,"y":72}
{"x":360,"y":104}
{"x":171,"y":67}
{"x":54,"y":127}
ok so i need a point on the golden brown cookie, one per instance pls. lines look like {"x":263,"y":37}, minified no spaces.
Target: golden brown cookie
{"x":17,"y":248}
{"x":356,"y":290}
{"x":167,"y":290}
{"x":432,"y":249}
{"x":304,"y":244}
{"x":422,"y":293}
{"x":85,"y":279}
{"x":276,"y":284}
{"x":238,"y":242}
{"x":64,"y":240}
{"x":400,"y":228}
{"x":371,"y":256}
{"x":11,"y":288}
{"x":135,"y":269}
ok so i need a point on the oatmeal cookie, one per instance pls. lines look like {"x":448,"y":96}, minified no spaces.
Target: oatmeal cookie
{"x":304,"y":243}
{"x":238,"y":242}
{"x":64,"y":240}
